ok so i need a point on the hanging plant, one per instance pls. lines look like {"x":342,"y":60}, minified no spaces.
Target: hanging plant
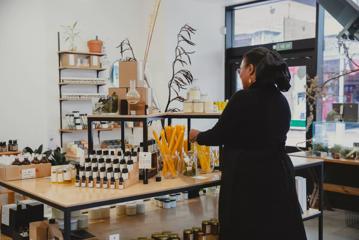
{"x":125,"y":48}
{"x":181,"y":75}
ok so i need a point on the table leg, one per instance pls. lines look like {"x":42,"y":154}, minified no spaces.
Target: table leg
{"x":67,"y":225}
{"x":320,"y":183}
{"x":145,"y":148}
{"x":89,"y":135}
{"x":188,"y":131}
{"x":123,"y":145}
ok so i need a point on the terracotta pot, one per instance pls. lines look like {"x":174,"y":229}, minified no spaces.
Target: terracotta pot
{"x":95,"y":46}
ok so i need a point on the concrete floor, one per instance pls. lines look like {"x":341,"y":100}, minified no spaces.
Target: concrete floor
{"x":334,"y":227}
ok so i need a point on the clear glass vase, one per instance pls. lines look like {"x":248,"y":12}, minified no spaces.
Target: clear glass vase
{"x":133,"y":97}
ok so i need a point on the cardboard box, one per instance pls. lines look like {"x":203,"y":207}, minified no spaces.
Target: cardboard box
{"x":9,"y":173}
{"x":127,"y":72}
{"x":145,"y":93}
{"x":39,"y":230}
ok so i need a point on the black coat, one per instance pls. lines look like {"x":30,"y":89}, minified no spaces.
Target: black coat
{"x":258,"y":199}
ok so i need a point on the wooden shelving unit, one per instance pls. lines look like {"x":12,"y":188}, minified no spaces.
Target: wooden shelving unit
{"x":77,"y":81}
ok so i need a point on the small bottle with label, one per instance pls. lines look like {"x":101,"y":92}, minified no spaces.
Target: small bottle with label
{"x":116,"y":163}
{"x":108,"y":163}
{"x":67,"y":175}
{"x":94,"y":162}
{"x":101,"y":163}
{"x":90,"y":182}
{"x":109,"y":173}
{"x":113,"y":183}
{"x":88,"y":172}
{"x":60,"y":176}
{"x":124,"y":174}
{"x":77,"y":182}
{"x":121,"y":185}
{"x":87,"y":163}
{"x":99,"y":153}
{"x":98,"y":182}
{"x":122,"y":164}
{"x":127,"y":155}
{"x":53,"y":175}
{"x":82,"y":172}
{"x":83,"y":182}
{"x":105,"y":183}
{"x":116,"y":173}
{"x":95,"y":172}
{"x":105,"y":153}
{"x":93,"y":154}
{"x":130,"y":165}
{"x":134,"y":157}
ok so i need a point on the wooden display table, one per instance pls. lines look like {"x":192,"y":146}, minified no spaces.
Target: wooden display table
{"x":68,"y":198}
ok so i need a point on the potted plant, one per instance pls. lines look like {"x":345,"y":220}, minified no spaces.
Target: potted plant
{"x":95,"y":46}
{"x":37,"y":155}
{"x":71,"y":34}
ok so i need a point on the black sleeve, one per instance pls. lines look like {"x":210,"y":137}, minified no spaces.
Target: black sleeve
{"x":222,"y":130}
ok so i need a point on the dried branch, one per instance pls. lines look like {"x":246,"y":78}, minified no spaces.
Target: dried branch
{"x":181,"y":78}
{"x":125,"y":47}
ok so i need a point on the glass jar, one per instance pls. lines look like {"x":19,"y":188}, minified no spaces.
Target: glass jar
{"x":205,"y":159}
{"x":170,"y":165}
{"x":188,"y":106}
{"x":198,"y":106}
{"x":133,"y":96}
{"x":189,"y":167}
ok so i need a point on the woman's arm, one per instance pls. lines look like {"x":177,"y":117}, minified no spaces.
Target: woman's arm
{"x":221,"y":132}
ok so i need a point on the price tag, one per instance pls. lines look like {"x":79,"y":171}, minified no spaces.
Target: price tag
{"x":145,"y":160}
{"x":28,"y":173}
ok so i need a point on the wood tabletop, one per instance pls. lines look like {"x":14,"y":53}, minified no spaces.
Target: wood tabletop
{"x":155,"y":115}
{"x":67,"y":195}
{"x":326,"y":160}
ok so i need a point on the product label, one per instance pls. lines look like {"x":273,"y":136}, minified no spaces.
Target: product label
{"x":145,"y":160}
{"x":28,"y":173}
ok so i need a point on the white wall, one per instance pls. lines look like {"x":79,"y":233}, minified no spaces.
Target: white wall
{"x":28,"y":59}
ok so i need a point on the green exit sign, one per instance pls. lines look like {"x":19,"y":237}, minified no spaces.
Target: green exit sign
{"x":283,"y":46}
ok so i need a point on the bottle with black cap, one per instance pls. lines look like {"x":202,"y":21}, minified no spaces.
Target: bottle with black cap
{"x":109,"y":173}
{"x":87,"y":163}
{"x":94,"y":172}
{"x":130,"y":165}
{"x":81,"y":172}
{"x":83,"y":182}
{"x":121,"y":184}
{"x":116,"y":163}
{"x":90,"y":182}
{"x":127,"y":155}
{"x":105,"y":153}
{"x":124,"y":174}
{"x":112,"y":183}
{"x":93,"y":154}
{"x":77,"y":182}
{"x":98,"y":182}
{"x":101,"y":163}
{"x":134,"y":157}
{"x":105,"y":183}
{"x":108,"y":163}
{"x":94,"y":162}
{"x":112,"y":154}
{"x":99,"y":153}
{"x":122,"y":164}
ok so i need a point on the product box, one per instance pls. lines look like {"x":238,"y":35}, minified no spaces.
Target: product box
{"x":127,"y":72}
{"x":95,"y":61}
{"x":145,"y":93}
{"x":68,"y":60}
{"x":9,"y":173}
{"x":39,"y":230}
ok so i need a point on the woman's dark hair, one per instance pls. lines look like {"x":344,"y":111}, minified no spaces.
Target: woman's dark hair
{"x":270,"y":68}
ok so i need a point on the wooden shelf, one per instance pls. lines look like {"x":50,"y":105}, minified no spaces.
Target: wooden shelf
{"x":84,"y":83}
{"x":79,"y":99}
{"x":82,"y":68}
{"x":85,"y":130}
{"x":82,"y":53}
{"x":326,"y":159}
{"x":352,"y":191}
{"x":9,"y":153}
{"x":310,"y":213}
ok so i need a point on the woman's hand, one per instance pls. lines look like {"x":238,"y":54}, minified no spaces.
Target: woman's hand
{"x":193,"y":135}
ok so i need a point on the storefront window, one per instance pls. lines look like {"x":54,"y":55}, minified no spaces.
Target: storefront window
{"x":339,"y":57}
{"x":274,"y":21}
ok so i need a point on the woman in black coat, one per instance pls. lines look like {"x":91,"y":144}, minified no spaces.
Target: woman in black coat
{"x":258,"y":199}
